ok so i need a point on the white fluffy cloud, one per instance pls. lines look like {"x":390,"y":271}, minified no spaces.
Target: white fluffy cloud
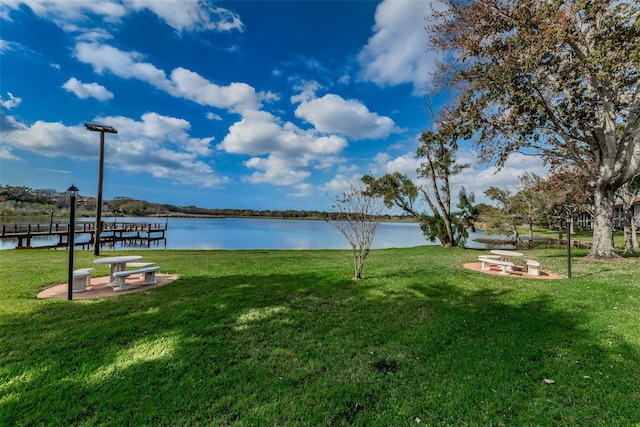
{"x":190,"y":85}
{"x":277,"y":169}
{"x":334,"y":114}
{"x":397,"y":51}
{"x":405,"y":164}
{"x":11,"y":102}
{"x":192,"y":15}
{"x":341,"y":183}
{"x":282,"y":153}
{"x":182,"y":15}
{"x":161,"y":143}
{"x":65,"y":12}
{"x":51,"y":139}
{"x":478,"y":180}
{"x":87,"y":90}
{"x":182,"y":83}
{"x":6,"y":154}
{"x":258,"y":132}
{"x":122,"y":64}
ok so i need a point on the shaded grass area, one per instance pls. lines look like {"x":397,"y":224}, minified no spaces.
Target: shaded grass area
{"x":286,"y":338}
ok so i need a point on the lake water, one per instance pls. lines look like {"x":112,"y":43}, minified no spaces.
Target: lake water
{"x":250,"y":233}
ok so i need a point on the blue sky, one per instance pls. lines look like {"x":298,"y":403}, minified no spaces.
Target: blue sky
{"x":229,"y":104}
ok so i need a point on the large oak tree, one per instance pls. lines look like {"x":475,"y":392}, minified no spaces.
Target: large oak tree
{"x":552,"y":78}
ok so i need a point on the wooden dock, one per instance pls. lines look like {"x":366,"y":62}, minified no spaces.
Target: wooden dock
{"x":133,"y":234}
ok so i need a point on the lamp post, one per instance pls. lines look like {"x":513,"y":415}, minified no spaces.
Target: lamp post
{"x":569,"y":211}
{"x":569,"y":245}
{"x":102,"y":129}
{"x":73,"y":193}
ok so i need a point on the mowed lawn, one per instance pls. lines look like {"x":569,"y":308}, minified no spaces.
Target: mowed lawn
{"x":287,"y":338}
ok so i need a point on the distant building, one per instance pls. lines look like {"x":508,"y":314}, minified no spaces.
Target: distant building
{"x":584,"y":220}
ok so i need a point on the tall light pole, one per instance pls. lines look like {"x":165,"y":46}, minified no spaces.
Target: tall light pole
{"x":98,"y":226}
{"x":73,"y":192}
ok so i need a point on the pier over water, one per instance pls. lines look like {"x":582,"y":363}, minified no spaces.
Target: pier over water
{"x":124,"y":233}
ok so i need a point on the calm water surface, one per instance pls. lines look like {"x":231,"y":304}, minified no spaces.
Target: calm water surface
{"x":246,"y":233}
{"x":242,"y":233}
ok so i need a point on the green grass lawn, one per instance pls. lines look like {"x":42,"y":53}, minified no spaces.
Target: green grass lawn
{"x":287,"y":338}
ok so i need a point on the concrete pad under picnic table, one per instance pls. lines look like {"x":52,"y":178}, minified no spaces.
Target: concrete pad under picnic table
{"x":99,"y":288}
{"x":517,"y":272}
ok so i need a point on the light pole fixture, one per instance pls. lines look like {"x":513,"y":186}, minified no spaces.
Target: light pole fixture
{"x":73,"y":193}
{"x":102,"y":129}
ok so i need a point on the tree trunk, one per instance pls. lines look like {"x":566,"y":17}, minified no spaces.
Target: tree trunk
{"x":358,"y":264}
{"x":516,"y":235}
{"x":602,"y":247}
{"x":452,"y":240}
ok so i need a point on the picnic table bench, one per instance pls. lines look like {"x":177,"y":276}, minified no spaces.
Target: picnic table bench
{"x":140,"y":264}
{"x":81,"y":279}
{"x":488,"y":260}
{"x":149,"y":276}
{"x":533,"y":267}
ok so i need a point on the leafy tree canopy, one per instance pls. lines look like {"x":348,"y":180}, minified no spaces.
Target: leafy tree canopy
{"x":555,"y":78}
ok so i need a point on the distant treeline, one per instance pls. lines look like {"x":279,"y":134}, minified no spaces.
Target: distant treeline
{"x":27,"y":201}
{"x":131,"y":207}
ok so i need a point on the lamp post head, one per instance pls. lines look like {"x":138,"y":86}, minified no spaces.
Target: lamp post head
{"x":73,"y":190}
{"x":100,"y":128}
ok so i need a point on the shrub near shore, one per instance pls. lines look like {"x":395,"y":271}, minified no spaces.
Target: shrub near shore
{"x":287,"y":338}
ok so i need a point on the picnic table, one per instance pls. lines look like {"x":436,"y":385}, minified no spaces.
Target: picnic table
{"x":117,"y":263}
{"x":507,"y":255}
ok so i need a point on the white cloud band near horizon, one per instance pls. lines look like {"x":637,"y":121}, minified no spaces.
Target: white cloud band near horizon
{"x":161,"y":143}
{"x":475,"y":179}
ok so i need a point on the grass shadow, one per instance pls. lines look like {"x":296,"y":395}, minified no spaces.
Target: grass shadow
{"x":314,"y":349}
